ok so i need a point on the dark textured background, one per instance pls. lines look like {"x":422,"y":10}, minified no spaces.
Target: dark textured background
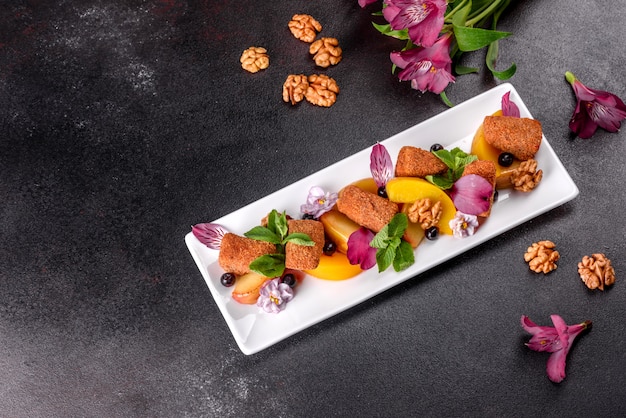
{"x":122,"y":123}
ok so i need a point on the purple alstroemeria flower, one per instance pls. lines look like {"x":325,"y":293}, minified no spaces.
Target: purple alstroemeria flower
{"x":209,"y":234}
{"x":423,"y":18}
{"x":472,"y":194}
{"x":318,"y":202}
{"x":381,"y":165}
{"x":556,"y":340}
{"x":359,"y":249}
{"x":427,"y":68}
{"x":274,"y":296}
{"x":463,"y":225}
{"x":364,"y":3}
{"x":594,"y":108}
{"x":509,"y":108}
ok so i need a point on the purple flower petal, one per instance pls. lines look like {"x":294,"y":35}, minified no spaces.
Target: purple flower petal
{"x":509,"y":108}
{"x":472,"y":194}
{"x":274,"y":296}
{"x":209,"y":234}
{"x":318,"y":202}
{"x":359,"y":249}
{"x":381,"y":165}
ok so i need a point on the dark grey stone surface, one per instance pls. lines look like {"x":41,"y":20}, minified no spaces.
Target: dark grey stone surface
{"x":125,"y":122}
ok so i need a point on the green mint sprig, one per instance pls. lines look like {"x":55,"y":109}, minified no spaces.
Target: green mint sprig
{"x":391,"y":248}
{"x":273,"y":265}
{"x":456,"y":160}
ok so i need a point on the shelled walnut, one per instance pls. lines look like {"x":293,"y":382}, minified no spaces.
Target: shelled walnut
{"x":542,"y":257}
{"x":526,"y":177}
{"x":425,"y":212}
{"x":326,"y":52}
{"x":596,"y":271}
{"x":322,"y":90}
{"x":254,"y":59}
{"x":304,"y":27}
{"x":295,"y":88}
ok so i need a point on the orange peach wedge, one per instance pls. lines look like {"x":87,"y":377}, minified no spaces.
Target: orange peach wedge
{"x":334,"y":267}
{"x":248,"y":287}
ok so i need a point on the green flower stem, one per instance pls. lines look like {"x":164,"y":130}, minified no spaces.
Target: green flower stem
{"x":570,"y":77}
{"x":475,"y":19}
{"x":448,"y":17}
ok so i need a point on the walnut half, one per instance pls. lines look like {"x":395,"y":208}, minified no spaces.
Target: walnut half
{"x":295,"y":88}
{"x":596,"y":271}
{"x":322,"y":90}
{"x":326,"y":52}
{"x":526,"y":177}
{"x":254,"y":59}
{"x":542,"y":257}
{"x":304,"y":27}
{"x":425,"y":212}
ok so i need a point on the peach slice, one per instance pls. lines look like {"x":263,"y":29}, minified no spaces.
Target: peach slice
{"x":485,"y":151}
{"x":248,"y":287}
{"x":414,"y":233}
{"x":367,"y":184}
{"x":410,"y":189}
{"x":338,"y":227}
{"x":334,"y":267}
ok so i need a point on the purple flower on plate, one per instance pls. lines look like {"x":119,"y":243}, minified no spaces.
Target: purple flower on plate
{"x":556,"y":340}
{"x":472,"y":194}
{"x":274,"y":296}
{"x":423,"y":18}
{"x":594,"y":108}
{"x":364,"y":3}
{"x":381,"y":165}
{"x":509,"y":108}
{"x":318,"y":202}
{"x":359,"y":249}
{"x":427,"y":68}
{"x":209,"y":234}
{"x":463,"y":225}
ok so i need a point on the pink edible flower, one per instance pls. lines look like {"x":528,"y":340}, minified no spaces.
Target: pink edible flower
{"x":364,"y":3}
{"x":359,"y":249}
{"x":423,"y":18}
{"x":472,"y":194}
{"x":509,"y":108}
{"x":209,"y":234}
{"x":381,"y":165}
{"x":274,"y":296}
{"x":318,"y":202}
{"x":463,"y":225}
{"x":427,"y":68}
{"x":594,"y":108}
{"x":556,"y":340}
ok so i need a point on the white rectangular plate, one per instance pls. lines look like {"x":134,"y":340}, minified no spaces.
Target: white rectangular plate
{"x":315,"y":299}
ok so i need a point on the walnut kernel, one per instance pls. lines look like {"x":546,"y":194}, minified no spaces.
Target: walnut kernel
{"x":254,"y":59}
{"x":326,"y":52}
{"x":304,"y":27}
{"x":295,"y":88}
{"x":542,"y":257}
{"x":425,"y":212}
{"x":596,"y":271}
{"x":526,"y":177}
{"x":322,"y":90}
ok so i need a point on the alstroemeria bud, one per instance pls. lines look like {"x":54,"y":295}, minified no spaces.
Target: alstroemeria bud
{"x":209,"y":234}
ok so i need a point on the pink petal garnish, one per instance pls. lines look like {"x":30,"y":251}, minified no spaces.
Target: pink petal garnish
{"x":381,"y":165}
{"x":472,"y":194}
{"x":359,"y":249}
{"x":509,"y":108}
{"x":209,"y":234}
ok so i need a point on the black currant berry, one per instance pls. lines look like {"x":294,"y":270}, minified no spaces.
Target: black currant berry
{"x":432,"y":233}
{"x":505,"y":159}
{"x":227,"y":279}
{"x":289,"y":279}
{"x":436,"y":147}
{"x":382,"y":192}
{"x":329,"y":248}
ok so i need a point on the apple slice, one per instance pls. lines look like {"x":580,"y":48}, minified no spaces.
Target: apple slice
{"x":334,"y":267}
{"x":338,"y":227}
{"x":248,"y":287}
{"x":410,"y":189}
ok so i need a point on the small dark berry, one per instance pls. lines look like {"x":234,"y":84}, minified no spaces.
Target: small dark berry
{"x":289,"y":279}
{"x":329,"y":248}
{"x":228,"y":279}
{"x":382,"y":192}
{"x":505,"y":159}
{"x":308,"y":216}
{"x":436,"y":147}
{"x":432,"y":233}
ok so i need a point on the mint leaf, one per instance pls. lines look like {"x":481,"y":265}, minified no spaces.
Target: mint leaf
{"x":269,"y":265}
{"x":300,"y":239}
{"x":404,"y":257}
{"x":398,"y":224}
{"x":384,"y":258}
{"x":380,"y":239}
{"x":261,"y":233}
{"x":456,"y":160}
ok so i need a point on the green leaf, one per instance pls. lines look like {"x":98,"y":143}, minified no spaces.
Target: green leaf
{"x":300,"y":239}
{"x":404,"y":257}
{"x":398,"y":224}
{"x":472,"y":39}
{"x":462,"y":70}
{"x":280,"y":223}
{"x":445,"y":99}
{"x":384,"y":258}
{"x":261,"y":233}
{"x":442,"y":182}
{"x":269,"y":265}
{"x":381,"y":239}
{"x":386,"y":30}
